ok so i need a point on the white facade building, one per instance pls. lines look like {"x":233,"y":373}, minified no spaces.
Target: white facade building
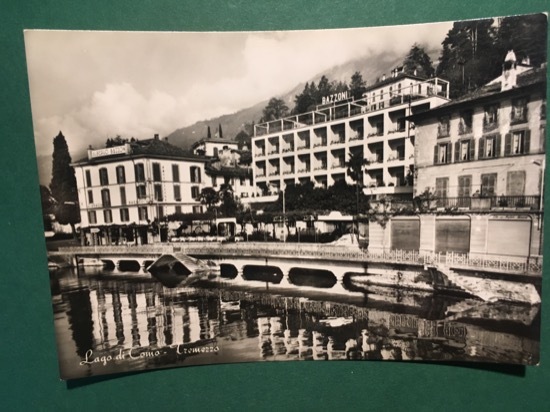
{"x":133,"y":185}
{"x":315,"y":146}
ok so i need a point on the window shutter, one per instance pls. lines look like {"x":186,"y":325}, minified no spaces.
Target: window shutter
{"x":508,"y":144}
{"x":481,"y":148}
{"x":496,"y":152}
{"x":449,"y":150}
{"x":436,"y":155}
{"x":457,"y":152}
{"x":472,"y":149}
{"x":527,"y":142}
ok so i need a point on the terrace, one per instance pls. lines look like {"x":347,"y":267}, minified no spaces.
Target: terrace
{"x":325,"y":114}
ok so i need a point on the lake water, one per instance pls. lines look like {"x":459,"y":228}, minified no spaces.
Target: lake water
{"x":116,"y":322}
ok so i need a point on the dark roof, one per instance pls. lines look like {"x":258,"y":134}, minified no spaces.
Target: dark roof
{"x":214,"y":168}
{"x":155,"y":148}
{"x":489,"y":92}
{"x":390,"y":80}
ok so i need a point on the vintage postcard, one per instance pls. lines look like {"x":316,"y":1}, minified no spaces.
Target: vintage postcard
{"x":360,"y":194}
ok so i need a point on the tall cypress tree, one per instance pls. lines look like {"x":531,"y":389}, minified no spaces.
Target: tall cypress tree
{"x":209,"y":133}
{"x":220,"y":133}
{"x":63,"y":184}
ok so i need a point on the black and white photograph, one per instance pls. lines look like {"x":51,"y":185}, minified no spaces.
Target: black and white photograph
{"x":365,"y":194}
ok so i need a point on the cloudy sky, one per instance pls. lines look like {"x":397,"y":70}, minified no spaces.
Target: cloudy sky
{"x":94,"y":85}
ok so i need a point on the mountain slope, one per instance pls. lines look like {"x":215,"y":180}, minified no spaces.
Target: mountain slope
{"x":370,"y":67}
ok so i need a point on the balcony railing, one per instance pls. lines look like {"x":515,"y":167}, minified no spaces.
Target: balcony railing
{"x":322,"y":114}
{"x":486,"y":203}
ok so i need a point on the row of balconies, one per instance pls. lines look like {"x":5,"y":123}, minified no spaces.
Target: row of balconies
{"x":322,"y":143}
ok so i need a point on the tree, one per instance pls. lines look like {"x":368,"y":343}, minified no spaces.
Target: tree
{"x":305,"y":101}
{"x":115,"y":141}
{"x":229,"y":205}
{"x":208,"y":133}
{"x":48,"y":202}
{"x":209,"y":197}
{"x":418,"y":61}
{"x":275,"y":109}
{"x":243,"y":139}
{"x":524,"y":35}
{"x":357,"y":85}
{"x":220,"y":133}
{"x":469,"y":57}
{"x":355,"y":166}
{"x":63,"y":184}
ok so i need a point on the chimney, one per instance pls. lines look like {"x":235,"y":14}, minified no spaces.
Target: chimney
{"x":509,"y":71}
{"x":156,"y":136}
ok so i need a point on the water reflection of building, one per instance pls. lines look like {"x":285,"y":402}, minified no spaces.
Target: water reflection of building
{"x":109,"y":316}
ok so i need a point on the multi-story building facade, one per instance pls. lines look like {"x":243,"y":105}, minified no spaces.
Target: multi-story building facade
{"x":480,"y":163}
{"x":315,"y":146}
{"x":129,"y":186}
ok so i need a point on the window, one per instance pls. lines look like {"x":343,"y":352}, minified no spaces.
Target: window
{"x":160,"y":212}
{"x":543,"y":110}
{"x":177,"y":193}
{"x":464,"y":190}
{"x":90,"y":196}
{"x":195,"y":174}
{"x":142,"y":213}
{"x":175,"y":173}
{"x":465,"y":125}
{"x":515,"y":183}
{"x":178,"y":210}
{"x":464,"y":150}
{"x":490,"y":118}
{"x":489,"y":147}
{"x":442,"y":153}
{"x":488,"y":184}
{"x":215,"y":152}
{"x":108,"y":216}
{"x":158,"y":193}
{"x":105,"y":198}
{"x":120,"y":175}
{"x":441,"y":187}
{"x":197,"y":209}
{"x":156,"y":172}
{"x":195,"y":192}
{"x":92,"y":218}
{"x":444,"y":128}
{"x":517,"y":143}
{"x":122,"y":195}
{"x":124,"y":215}
{"x":88,"y":178}
{"x":215,"y":180}
{"x":141,"y":191}
{"x":103,"y":177}
{"x":140,"y":172}
{"x":519,"y":111}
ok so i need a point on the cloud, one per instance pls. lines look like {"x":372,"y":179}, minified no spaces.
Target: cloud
{"x":119,"y":109}
{"x":137,"y":84}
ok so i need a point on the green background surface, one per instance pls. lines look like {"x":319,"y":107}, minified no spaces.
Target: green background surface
{"x":28,"y":359}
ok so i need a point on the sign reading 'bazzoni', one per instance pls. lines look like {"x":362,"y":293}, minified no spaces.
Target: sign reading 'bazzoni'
{"x":335,"y":97}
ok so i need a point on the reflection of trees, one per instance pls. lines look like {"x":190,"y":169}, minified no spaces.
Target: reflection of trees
{"x":79,"y":314}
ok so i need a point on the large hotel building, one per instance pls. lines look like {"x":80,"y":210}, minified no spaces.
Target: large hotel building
{"x":315,"y":146}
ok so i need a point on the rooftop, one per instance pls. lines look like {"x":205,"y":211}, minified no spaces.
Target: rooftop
{"x":489,"y":92}
{"x":145,"y":148}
